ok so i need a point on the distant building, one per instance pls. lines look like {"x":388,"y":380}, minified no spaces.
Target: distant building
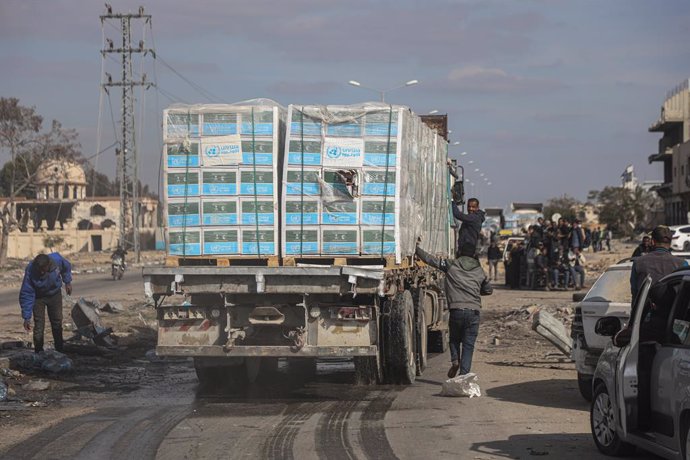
{"x":62,"y":218}
{"x":674,"y":154}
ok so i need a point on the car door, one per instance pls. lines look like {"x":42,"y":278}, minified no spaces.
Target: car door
{"x":670,"y":376}
{"x":626,"y":366}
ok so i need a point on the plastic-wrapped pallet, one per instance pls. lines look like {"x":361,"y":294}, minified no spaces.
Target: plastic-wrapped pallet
{"x":363,"y":180}
{"x":222,"y":166}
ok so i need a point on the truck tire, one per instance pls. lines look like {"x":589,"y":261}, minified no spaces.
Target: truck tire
{"x":233,"y":378}
{"x":438,"y":341}
{"x":422,"y":341}
{"x":584,"y":383}
{"x":367,"y":370}
{"x":400,"y":340}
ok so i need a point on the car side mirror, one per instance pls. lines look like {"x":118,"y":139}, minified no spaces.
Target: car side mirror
{"x":608,"y":326}
{"x":579,"y":296}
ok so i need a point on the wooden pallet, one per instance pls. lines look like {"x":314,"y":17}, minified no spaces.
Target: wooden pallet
{"x":388,"y":262}
{"x":222,"y":261}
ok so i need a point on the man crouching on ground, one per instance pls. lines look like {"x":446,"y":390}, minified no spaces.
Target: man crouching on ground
{"x":42,"y":290}
{"x":465,"y":283}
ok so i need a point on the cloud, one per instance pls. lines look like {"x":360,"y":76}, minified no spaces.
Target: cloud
{"x":480,"y":79}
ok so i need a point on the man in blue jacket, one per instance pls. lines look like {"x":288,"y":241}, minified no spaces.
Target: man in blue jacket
{"x":42,"y":290}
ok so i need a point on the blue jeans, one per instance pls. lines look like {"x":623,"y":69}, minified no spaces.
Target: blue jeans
{"x":464,"y":328}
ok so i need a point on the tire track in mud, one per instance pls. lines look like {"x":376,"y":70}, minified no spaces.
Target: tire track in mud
{"x":332,"y":437}
{"x":372,"y":434}
{"x":280,"y":442}
{"x":128,"y":432}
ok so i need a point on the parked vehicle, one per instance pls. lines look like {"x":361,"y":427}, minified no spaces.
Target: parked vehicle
{"x":609,"y":296}
{"x":680,"y":241}
{"x":641,"y":382}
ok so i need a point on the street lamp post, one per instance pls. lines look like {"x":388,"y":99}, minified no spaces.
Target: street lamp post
{"x":382,"y":92}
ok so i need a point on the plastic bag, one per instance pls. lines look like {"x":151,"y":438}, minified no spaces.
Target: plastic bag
{"x":462,"y":385}
{"x":54,"y":361}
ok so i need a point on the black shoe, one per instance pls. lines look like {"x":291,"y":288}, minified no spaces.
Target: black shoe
{"x":453,"y":370}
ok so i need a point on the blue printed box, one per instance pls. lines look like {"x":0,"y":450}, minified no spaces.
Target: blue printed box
{"x":183,"y":183}
{"x":258,"y":123}
{"x":178,"y":157}
{"x":378,"y":241}
{"x":299,"y":212}
{"x":181,"y":125}
{"x":296,"y":185}
{"x":257,"y":152}
{"x":311,"y":152}
{"x":344,"y":130}
{"x":301,"y":241}
{"x":221,"y":241}
{"x":259,"y":242}
{"x":339,"y":213}
{"x":378,"y":183}
{"x":381,"y":123}
{"x":181,"y":243}
{"x":377,"y":153}
{"x":373,"y":212}
{"x":219,"y":182}
{"x":219,"y":211}
{"x":183,"y":214}
{"x":340,"y":241}
{"x":251,"y":210}
{"x":219,"y":124}
{"x":256,"y":182}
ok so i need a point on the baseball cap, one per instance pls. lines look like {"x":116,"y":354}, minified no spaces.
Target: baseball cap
{"x":662,"y":234}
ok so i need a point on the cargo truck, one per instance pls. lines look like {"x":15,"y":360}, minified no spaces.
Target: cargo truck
{"x":317,"y":294}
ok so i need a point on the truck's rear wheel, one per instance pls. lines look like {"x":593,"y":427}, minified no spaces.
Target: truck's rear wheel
{"x":400,"y":340}
{"x":222,"y":377}
{"x":422,"y":340}
{"x":367,"y":370}
{"x":438,"y":341}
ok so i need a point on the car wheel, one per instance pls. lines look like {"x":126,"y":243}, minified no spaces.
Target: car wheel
{"x":584,"y":383}
{"x":602,"y":419}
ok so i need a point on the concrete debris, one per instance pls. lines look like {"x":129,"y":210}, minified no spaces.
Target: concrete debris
{"x":552,"y":330}
{"x":4,"y":363}
{"x":112,"y":307}
{"x":10,"y":373}
{"x":37,"y":385}
{"x":88,"y":324}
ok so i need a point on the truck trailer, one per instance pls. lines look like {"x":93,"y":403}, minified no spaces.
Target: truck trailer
{"x":341,"y":279}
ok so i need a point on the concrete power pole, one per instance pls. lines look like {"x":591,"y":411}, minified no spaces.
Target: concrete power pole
{"x":127,"y":174}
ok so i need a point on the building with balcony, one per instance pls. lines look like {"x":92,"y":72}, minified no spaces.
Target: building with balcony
{"x":674,"y":154}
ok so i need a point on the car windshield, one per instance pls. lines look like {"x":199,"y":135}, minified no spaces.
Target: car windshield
{"x":612,"y":286}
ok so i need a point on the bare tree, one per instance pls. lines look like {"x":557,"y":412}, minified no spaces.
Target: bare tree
{"x":21,"y":136}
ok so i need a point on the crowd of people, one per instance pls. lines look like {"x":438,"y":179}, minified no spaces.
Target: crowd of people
{"x":550,"y":256}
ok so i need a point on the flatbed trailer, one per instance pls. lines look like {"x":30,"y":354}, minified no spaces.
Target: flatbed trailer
{"x":237,"y":321}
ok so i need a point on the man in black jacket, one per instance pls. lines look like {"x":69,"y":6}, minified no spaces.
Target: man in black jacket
{"x":471,"y":223}
{"x":464,"y":284}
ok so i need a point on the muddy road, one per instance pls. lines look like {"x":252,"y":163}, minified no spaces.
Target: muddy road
{"x":127,"y":404}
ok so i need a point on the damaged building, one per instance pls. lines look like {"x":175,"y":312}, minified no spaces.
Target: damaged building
{"x":63,"y":218}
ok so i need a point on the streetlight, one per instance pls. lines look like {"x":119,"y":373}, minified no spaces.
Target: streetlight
{"x":382,"y":92}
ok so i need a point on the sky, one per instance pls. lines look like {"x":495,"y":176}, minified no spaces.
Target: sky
{"x":547,"y":97}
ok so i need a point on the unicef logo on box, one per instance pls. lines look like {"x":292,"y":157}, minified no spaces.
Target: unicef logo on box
{"x":333,"y":152}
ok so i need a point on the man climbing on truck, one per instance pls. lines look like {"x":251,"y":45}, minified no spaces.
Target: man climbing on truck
{"x":471,"y":223}
{"x":465,"y":283}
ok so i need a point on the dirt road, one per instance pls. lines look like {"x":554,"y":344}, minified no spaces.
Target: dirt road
{"x":127,"y":406}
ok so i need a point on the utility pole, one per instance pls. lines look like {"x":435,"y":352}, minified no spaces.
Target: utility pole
{"x":127,"y":154}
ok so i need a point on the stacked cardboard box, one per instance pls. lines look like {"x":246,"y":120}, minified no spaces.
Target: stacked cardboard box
{"x":363,"y":180}
{"x":221,"y":178}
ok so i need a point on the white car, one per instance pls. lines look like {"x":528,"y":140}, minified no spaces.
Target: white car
{"x":609,"y":296}
{"x":680,"y":241}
